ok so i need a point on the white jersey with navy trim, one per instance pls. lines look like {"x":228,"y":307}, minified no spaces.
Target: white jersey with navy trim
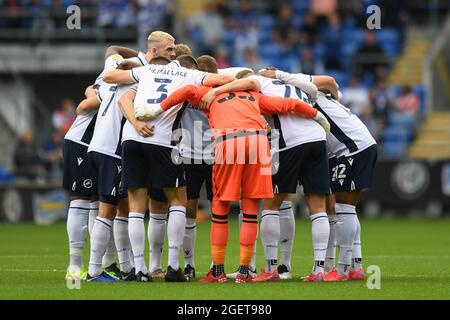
{"x":82,"y":129}
{"x":293,"y":130}
{"x":348,"y":135}
{"x":155,"y":83}
{"x":110,"y":120}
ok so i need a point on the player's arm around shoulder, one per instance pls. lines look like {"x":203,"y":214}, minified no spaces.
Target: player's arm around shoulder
{"x":245,"y":84}
{"x":126,"y":104}
{"x":214,"y":79}
{"x":90,"y":103}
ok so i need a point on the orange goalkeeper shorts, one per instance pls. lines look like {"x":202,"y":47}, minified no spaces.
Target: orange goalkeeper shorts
{"x":242,"y":167}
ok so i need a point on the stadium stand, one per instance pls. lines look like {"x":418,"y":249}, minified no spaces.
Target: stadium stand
{"x":297,"y":36}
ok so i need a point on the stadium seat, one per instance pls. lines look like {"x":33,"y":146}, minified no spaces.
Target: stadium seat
{"x":266,"y":22}
{"x":421,"y":92}
{"x":270,"y":51}
{"x":398,"y":119}
{"x":5,"y":176}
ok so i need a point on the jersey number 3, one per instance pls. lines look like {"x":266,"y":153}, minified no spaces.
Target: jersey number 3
{"x":162,"y":89}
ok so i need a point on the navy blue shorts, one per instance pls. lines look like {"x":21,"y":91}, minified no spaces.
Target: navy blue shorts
{"x":79,"y":178}
{"x":196,"y":174}
{"x":353,"y":173}
{"x":147,"y":165}
{"x":305,"y":164}
{"x":157,"y":194}
{"x":108,"y":171}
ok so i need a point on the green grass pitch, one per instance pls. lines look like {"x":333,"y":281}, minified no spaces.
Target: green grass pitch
{"x":413,"y":255}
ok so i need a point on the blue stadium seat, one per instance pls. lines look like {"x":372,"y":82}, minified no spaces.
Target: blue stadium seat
{"x":266,"y":22}
{"x":341,"y":77}
{"x":395,"y":141}
{"x":5,"y":177}
{"x":401,"y":120}
{"x":269,"y":51}
{"x":420,"y":91}
{"x":265,"y":36}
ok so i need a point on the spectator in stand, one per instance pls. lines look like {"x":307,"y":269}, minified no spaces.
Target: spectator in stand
{"x":150,"y":16}
{"x":370,"y":56}
{"x":283,"y":31}
{"x":64,"y":116}
{"x":53,"y":156}
{"x":309,"y":32}
{"x":307,"y":64}
{"x":368,"y":119}
{"x":323,"y":9}
{"x":245,"y":13}
{"x":253,"y":61}
{"x":355,"y":97}
{"x":408,"y":103}
{"x":332,"y":37}
{"x":222,"y":58}
{"x":211,"y":26}
{"x":381,"y":101}
{"x":27,"y":161}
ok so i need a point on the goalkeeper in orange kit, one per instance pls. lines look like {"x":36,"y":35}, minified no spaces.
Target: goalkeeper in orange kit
{"x":242,"y":166}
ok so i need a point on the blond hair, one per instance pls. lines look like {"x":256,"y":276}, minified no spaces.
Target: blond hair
{"x":158,"y":36}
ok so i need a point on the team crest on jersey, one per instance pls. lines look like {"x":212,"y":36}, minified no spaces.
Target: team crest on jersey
{"x":87,"y":183}
{"x":80,"y":160}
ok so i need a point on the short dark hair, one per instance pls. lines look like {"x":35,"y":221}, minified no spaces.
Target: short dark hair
{"x":187,"y":61}
{"x":159,"y":60}
{"x":207,"y":63}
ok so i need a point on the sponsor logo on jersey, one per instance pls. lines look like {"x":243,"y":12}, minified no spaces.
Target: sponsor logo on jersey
{"x":350,"y":160}
{"x":80,"y":160}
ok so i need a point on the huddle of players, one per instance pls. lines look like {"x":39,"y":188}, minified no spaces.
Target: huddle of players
{"x":94,"y":168}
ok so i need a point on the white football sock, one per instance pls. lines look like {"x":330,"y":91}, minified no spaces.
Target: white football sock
{"x":345,"y":234}
{"x":287,"y":231}
{"x":156,"y":236}
{"x":189,"y":242}
{"x":357,"y":255}
{"x":175,"y":234}
{"x":270,"y":236}
{"x":93,"y":212}
{"x":110,"y":254}
{"x":331,"y":248}
{"x":123,"y":244}
{"x":320,"y":234}
{"x":77,"y":221}
{"x":136,"y":231}
{"x":101,"y":233}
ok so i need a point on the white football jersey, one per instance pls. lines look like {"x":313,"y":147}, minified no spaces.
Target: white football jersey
{"x":293,"y":130}
{"x":157,"y":82}
{"x":82,"y":128}
{"x":348,"y":134}
{"x":110,"y":120}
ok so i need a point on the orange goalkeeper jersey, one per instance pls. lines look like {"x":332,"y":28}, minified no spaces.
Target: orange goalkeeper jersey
{"x":238,"y":110}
